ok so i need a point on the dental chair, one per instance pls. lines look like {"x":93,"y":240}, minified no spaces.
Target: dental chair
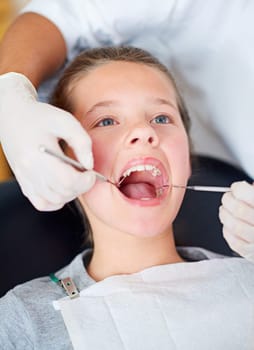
{"x":34,"y":244}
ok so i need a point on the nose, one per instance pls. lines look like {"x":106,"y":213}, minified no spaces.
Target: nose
{"x":142,"y":134}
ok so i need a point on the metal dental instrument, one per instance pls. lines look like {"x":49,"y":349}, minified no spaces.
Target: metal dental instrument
{"x":204,"y":188}
{"x":101,"y":177}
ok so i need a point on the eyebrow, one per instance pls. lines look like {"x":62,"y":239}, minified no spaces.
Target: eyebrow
{"x":162,"y":101}
{"x":102,"y":104}
{"x":108,"y":103}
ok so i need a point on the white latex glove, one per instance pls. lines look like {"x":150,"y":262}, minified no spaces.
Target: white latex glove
{"x":25,"y":124}
{"x":237,"y":217}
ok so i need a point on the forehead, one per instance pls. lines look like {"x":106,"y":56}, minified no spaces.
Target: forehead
{"x":123,"y":80}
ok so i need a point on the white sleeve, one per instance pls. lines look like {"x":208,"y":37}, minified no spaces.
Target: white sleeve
{"x":90,"y":23}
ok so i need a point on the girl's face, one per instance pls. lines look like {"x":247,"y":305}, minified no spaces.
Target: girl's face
{"x":131,"y":114}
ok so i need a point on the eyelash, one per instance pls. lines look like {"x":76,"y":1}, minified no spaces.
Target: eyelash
{"x":103,"y":120}
{"x":114,"y":122}
{"x":161,"y":115}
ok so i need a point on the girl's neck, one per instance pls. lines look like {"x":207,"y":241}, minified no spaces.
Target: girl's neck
{"x":126,"y":254}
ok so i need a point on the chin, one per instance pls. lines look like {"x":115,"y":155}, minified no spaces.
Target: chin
{"x":146,"y":226}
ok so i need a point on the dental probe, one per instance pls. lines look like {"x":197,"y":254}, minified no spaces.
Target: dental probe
{"x":72,"y":162}
{"x":204,"y":188}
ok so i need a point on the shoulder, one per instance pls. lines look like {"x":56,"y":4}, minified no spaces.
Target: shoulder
{"x":28,"y":315}
{"x":29,"y":320}
{"x":25,"y":310}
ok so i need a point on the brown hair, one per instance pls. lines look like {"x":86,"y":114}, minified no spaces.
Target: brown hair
{"x":90,"y":59}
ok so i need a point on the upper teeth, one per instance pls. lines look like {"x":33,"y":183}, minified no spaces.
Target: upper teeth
{"x":155,"y":171}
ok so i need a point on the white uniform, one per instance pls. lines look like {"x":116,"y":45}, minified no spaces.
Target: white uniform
{"x":208,"y":46}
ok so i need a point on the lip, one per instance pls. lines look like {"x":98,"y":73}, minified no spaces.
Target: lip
{"x":146,"y":160}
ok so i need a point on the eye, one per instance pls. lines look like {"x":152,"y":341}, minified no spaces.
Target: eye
{"x":161,"y":119}
{"x":106,"y":122}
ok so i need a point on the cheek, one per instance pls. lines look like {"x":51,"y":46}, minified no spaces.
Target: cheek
{"x":179,"y":157}
{"x":103,"y":154}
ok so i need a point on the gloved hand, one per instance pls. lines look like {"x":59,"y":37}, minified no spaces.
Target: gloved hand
{"x":25,"y":124}
{"x":237,"y":217}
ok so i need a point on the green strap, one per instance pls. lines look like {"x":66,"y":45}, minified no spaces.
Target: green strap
{"x":54,"y":278}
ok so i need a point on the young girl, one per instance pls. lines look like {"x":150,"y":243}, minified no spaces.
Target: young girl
{"x":137,"y":290}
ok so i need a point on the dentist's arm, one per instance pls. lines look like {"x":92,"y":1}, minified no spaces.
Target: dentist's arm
{"x":237,"y":217}
{"x":34,"y":48}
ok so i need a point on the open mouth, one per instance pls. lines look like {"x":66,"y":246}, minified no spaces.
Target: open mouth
{"x":143,"y":182}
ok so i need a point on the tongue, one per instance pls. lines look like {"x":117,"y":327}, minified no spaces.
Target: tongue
{"x":141,"y":190}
